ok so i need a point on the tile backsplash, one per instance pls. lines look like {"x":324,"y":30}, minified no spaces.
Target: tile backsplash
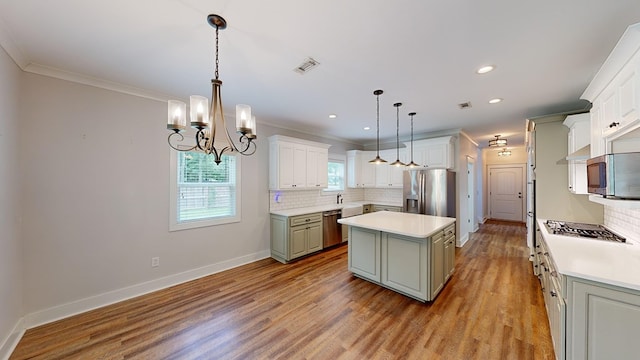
{"x":283,"y":200}
{"x":622,"y":220}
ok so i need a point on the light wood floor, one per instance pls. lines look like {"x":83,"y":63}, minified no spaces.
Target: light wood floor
{"x":492,"y":308}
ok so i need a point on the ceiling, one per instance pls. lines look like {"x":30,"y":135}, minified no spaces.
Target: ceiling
{"x":422,"y":53}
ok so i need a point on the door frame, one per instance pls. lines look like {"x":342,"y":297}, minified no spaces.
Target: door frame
{"x":523,"y":167}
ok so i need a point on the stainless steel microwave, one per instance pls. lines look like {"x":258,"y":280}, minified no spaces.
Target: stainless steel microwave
{"x":615,"y":175}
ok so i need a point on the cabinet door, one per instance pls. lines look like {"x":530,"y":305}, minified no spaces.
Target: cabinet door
{"x":364,"y":253}
{"x":602,"y":322}
{"x":449,"y":257}
{"x":299,"y":166}
{"x":354,"y":163}
{"x":317,"y":160}
{"x":405,"y":265}
{"x":292,"y":159}
{"x":314,"y":237}
{"x":297,"y":241}
{"x":368,"y":170}
{"x":437,"y":264}
{"x":597,"y":140}
{"x":382,"y":170}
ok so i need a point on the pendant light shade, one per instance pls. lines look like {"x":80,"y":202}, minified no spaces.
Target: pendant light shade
{"x":378,"y":159}
{"x":412,"y":164}
{"x":397,"y":162}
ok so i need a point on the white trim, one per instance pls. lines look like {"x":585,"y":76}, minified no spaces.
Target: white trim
{"x":12,"y":340}
{"x":463,"y":240}
{"x":93,"y":302}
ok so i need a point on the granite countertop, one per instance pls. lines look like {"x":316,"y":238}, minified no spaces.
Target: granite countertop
{"x":597,"y":260}
{"x":414,"y":225}
{"x":321,"y":208}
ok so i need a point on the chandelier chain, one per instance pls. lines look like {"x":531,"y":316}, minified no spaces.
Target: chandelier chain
{"x":217,"y":60}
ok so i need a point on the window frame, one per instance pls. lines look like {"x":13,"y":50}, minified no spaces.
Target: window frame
{"x":337,"y":158}
{"x":174,"y":225}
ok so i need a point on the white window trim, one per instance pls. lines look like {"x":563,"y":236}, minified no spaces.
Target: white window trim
{"x":174,"y":225}
{"x":343,"y":160}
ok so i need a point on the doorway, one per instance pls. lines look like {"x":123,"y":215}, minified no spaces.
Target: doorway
{"x":506,"y":192}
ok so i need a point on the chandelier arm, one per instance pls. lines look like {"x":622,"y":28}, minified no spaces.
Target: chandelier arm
{"x":246,"y":143}
{"x":180,"y":138}
{"x":201,"y":140}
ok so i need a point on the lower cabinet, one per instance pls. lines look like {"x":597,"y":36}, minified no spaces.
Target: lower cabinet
{"x":295,"y":236}
{"x":449,"y":251}
{"x":376,"y":207}
{"x":416,"y":267}
{"x":603,"y":321}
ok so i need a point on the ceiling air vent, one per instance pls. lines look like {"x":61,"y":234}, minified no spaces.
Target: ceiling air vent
{"x":464,"y":105}
{"x":307,"y":65}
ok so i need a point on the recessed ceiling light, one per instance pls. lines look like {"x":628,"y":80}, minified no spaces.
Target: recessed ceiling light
{"x":332,"y":116}
{"x":495,"y":101}
{"x":367,"y":128}
{"x":485,"y":69}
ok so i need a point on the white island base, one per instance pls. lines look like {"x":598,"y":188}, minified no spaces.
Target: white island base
{"x":409,"y":253}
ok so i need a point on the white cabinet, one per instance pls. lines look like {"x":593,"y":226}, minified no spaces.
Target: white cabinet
{"x":578,"y":138}
{"x":554,"y":297}
{"x":317,"y":173}
{"x":296,"y":164}
{"x":615,"y":95}
{"x":434,"y":153}
{"x":360,"y":173}
{"x":602,"y":321}
{"x":389,"y":176}
{"x":449,"y":251}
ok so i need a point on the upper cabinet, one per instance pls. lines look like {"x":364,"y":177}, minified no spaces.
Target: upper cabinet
{"x":360,"y":173}
{"x":296,"y":164}
{"x":578,"y":141}
{"x":615,"y":95}
{"x":434,"y":153}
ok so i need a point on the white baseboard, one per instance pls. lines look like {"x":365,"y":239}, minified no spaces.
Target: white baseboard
{"x":12,"y":340}
{"x":79,"y":306}
{"x":463,"y":240}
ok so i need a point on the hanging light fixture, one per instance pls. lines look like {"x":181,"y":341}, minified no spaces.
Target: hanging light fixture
{"x":205,"y":119}
{"x":412,"y":164}
{"x":378,"y":159}
{"x":498,"y":142}
{"x":397,"y":162}
{"x":504,"y":152}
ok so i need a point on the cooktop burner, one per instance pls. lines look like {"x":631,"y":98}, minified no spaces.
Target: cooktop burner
{"x":582,"y":230}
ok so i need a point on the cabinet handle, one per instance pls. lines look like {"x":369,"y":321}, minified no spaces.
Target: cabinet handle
{"x":614,"y":124}
{"x":554,"y":273}
{"x":553,"y":293}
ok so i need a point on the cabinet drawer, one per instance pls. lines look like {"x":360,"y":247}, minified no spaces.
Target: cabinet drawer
{"x":450,"y":230}
{"x":305,"y":219}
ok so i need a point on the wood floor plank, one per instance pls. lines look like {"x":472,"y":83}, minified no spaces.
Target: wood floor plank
{"x":492,"y":308}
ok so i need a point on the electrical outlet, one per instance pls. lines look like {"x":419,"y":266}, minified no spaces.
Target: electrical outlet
{"x":155,"y":261}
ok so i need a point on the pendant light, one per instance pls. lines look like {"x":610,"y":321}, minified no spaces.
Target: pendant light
{"x":397,"y":163}
{"x":412,"y":164}
{"x":378,"y":159}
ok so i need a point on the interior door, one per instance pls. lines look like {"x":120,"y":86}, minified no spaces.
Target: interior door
{"x":506,"y":193}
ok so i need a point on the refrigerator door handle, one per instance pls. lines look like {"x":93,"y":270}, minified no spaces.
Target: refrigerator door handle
{"x":422,"y":196}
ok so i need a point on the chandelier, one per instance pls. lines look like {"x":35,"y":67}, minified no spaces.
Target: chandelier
{"x":397,"y":162}
{"x":504,"y":152}
{"x":205,"y":117}
{"x":498,"y":142}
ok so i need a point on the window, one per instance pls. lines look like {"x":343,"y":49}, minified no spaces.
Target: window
{"x":335,"y":174}
{"x":203,"y":193}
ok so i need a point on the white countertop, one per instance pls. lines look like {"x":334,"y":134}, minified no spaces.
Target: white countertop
{"x":321,"y":208}
{"x":414,"y":225}
{"x":597,"y":260}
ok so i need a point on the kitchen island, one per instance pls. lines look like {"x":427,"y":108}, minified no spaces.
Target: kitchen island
{"x":411,"y":254}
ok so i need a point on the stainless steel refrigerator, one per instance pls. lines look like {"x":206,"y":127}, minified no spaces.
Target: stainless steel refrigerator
{"x":430,"y":192}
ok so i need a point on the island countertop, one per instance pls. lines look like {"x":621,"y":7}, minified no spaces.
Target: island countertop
{"x":414,"y":225}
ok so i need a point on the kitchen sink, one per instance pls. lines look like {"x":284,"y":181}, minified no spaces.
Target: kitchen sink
{"x":351,"y":210}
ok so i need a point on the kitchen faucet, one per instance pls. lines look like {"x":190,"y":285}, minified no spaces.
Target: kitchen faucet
{"x":339,"y":198}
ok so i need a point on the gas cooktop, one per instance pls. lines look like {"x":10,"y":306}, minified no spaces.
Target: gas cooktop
{"x":591,"y":231}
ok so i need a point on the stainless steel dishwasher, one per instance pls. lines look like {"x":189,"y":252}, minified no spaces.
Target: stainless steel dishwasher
{"x":331,"y":230}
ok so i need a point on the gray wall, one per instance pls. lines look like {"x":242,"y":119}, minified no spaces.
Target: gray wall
{"x":11,"y":282}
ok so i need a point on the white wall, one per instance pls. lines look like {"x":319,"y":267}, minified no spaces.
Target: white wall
{"x":11,"y":277}
{"x":465,"y":148}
